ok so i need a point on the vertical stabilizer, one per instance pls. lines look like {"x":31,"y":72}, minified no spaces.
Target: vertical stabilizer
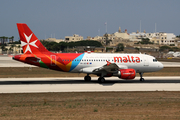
{"x":29,"y":42}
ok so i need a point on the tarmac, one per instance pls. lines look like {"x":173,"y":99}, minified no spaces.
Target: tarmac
{"x":41,"y":85}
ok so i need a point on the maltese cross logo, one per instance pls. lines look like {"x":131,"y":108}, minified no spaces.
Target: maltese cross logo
{"x":28,"y":43}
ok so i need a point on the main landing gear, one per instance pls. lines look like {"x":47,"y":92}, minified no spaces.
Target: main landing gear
{"x":87,"y":78}
{"x":101,"y":80}
{"x":141,"y":79}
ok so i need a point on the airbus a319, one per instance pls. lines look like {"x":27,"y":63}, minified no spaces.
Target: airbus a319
{"x":124,"y":66}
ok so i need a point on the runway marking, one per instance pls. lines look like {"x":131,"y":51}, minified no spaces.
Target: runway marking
{"x":39,"y":85}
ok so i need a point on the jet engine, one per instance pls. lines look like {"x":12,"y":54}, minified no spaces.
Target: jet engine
{"x":126,"y":73}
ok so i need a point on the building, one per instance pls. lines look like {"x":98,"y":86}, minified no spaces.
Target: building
{"x":114,"y":38}
{"x":54,"y":40}
{"x":160,"y":38}
{"x":123,"y":35}
{"x":177,"y":41}
{"x":137,"y":36}
{"x":163,"y":38}
{"x":73,"y":38}
{"x":94,"y":38}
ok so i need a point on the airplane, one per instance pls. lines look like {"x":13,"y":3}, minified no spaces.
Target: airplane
{"x":124,"y":66}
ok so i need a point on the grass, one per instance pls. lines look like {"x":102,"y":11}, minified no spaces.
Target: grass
{"x":91,"y":105}
{"x":97,"y":106}
{"x":23,"y":72}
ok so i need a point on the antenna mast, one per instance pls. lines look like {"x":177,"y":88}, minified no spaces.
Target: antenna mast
{"x":140,"y":26}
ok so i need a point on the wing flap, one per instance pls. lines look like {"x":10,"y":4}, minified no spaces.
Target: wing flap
{"x":111,"y":68}
{"x":107,"y":68}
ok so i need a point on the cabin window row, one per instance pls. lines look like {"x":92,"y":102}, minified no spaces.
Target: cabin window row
{"x":103,"y":60}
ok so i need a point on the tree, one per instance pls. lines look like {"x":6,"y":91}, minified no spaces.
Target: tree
{"x":11,"y":38}
{"x":86,"y":43}
{"x":53,"y":46}
{"x":63,"y":45}
{"x":12,"y":47}
{"x":162,"y":48}
{"x":17,"y":42}
{"x":145,"y":41}
{"x":120,"y":47}
{"x":3,"y":48}
{"x":137,"y":49}
{"x":19,"y":47}
{"x":175,"y":48}
{"x":178,"y":36}
{"x":3,"y":39}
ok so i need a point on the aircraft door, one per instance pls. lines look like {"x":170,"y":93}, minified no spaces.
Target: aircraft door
{"x":53,"y":60}
{"x":146,"y":62}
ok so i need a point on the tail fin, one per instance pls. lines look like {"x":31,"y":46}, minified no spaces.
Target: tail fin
{"x":29,"y":42}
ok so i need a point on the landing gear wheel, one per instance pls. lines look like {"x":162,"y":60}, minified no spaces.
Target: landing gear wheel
{"x":141,"y":79}
{"x":87,"y":78}
{"x":101,"y":80}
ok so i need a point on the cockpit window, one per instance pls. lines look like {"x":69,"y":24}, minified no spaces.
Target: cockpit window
{"x":154,"y":60}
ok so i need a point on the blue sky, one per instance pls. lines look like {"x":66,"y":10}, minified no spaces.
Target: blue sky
{"x":85,"y":17}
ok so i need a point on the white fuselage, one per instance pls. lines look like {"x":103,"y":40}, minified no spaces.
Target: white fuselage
{"x":139,"y":62}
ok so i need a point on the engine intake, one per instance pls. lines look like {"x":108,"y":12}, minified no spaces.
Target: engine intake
{"x":126,"y":73}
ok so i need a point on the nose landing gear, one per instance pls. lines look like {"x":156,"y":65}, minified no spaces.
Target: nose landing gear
{"x":141,"y":75}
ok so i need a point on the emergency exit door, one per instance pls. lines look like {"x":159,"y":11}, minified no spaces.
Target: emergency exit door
{"x":53,"y":60}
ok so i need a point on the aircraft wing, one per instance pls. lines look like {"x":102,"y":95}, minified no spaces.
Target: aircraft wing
{"x":107,"y":68}
{"x":111,"y":68}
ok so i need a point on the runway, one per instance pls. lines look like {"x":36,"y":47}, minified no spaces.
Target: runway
{"x":40,"y":85}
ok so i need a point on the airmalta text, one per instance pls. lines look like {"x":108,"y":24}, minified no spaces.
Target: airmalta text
{"x":127,"y":59}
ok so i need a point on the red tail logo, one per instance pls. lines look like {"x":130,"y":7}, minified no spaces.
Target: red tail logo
{"x":29,"y":42}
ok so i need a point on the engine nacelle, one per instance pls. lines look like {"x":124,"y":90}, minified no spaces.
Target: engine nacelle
{"x":126,"y":73}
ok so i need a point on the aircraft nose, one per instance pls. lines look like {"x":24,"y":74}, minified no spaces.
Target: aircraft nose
{"x":160,"y":66}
